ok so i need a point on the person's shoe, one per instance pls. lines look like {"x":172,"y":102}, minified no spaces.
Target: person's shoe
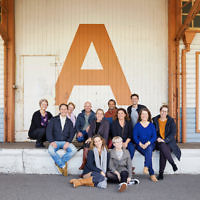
{"x":146,"y":170}
{"x":72,"y":181}
{"x":65,"y":170}
{"x":134,"y":182}
{"x":160,"y":177}
{"x":60,"y":169}
{"x":175,"y":168}
{"x":153,"y":178}
{"x":133,"y":168}
{"x":122,"y":187}
{"x":84,"y":181}
{"x":39,"y":145}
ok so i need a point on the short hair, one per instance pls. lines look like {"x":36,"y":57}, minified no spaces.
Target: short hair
{"x":140,"y":113}
{"x":164,"y":106}
{"x":99,"y":109}
{"x":117,"y":139}
{"x":62,"y":104}
{"x":112,"y":100}
{"x":123,"y":110}
{"x":71,"y":103}
{"x":136,"y":95}
{"x":43,"y":100}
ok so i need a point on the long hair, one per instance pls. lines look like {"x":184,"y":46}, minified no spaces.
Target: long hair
{"x":140,"y":113}
{"x":92,"y":145}
{"x":124,"y":111}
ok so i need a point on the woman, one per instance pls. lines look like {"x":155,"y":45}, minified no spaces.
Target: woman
{"x":166,"y":131}
{"x":122,"y":127}
{"x":144,"y":135}
{"x":70,"y":114}
{"x":120,"y":165}
{"x":98,"y":126}
{"x":96,"y":165}
{"x":39,"y":123}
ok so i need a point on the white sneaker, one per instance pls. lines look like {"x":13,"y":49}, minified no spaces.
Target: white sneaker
{"x":122,"y":187}
{"x":134,"y":182}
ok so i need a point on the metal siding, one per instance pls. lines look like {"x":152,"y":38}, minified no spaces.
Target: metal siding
{"x":138,"y":30}
{"x":1,"y":90}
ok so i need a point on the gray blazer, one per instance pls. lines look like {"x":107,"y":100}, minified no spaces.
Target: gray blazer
{"x":124,"y":164}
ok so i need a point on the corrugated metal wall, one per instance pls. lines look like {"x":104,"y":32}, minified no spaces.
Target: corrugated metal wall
{"x":138,"y":30}
{"x":1,"y":90}
{"x":192,"y":136}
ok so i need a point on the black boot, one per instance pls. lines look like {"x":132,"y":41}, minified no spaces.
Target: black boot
{"x":160,"y":176}
{"x":175,"y":168}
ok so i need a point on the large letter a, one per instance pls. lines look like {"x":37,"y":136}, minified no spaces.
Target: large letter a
{"x":111,"y":74}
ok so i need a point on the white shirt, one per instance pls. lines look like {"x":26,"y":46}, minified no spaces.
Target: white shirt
{"x":62,"y":120}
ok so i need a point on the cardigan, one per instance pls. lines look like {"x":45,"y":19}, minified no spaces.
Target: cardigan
{"x":36,"y":121}
{"x":124,"y":164}
{"x":125,"y":132}
{"x":170,"y":132}
{"x":103,"y":129}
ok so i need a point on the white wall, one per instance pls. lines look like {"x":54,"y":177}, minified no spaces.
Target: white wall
{"x":138,"y":30}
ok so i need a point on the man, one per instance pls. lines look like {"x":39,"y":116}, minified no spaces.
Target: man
{"x":112,"y":110}
{"x":109,"y":115}
{"x":134,"y":109}
{"x":83,"y":122}
{"x":60,"y":133}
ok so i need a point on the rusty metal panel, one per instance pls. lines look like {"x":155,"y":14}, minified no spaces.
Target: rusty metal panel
{"x":137,"y":29}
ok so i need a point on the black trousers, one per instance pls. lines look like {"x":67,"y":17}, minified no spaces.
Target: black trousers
{"x":38,"y":134}
{"x":165,"y":154}
{"x":112,"y":177}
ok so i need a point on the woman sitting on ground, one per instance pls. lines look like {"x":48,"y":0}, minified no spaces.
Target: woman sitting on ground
{"x":144,"y":135}
{"x":99,"y":126}
{"x":39,"y":123}
{"x":94,"y":172}
{"x":120,"y":165}
{"x":166,"y":131}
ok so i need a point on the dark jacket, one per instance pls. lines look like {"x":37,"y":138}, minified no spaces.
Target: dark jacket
{"x":81,"y":120}
{"x":170,"y":132}
{"x":36,"y":121}
{"x":125,"y":132}
{"x":55,"y":132}
{"x":90,"y":165}
{"x":103,"y":129}
{"x":129,"y":109}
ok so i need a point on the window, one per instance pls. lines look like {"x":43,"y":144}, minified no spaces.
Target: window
{"x":186,"y":7}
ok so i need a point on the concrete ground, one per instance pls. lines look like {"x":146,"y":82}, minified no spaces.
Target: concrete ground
{"x":56,"y":187}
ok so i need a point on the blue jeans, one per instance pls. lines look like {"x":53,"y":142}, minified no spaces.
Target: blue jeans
{"x":131,"y":149}
{"x":83,"y":138}
{"x":60,"y":161}
{"x":147,"y":153}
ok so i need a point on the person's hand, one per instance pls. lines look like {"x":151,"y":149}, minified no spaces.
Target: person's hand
{"x":88,"y":140}
{"x":79,"y":134}
{"x":160,"y":140}
{"x":118,"y":175}
{"x":87,"y":129}
{"x":102,"y":173}
{"x":146,"y":144}
{"x":53,"y":144}
{"x":141,"y":145}
{"x":124,"y":145}
{"x":128,"y":179}
{"x":66,"y":145}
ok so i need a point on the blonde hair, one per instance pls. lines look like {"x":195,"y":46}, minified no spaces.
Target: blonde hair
{"x":43,"y":100}
{"x":117,"y":139}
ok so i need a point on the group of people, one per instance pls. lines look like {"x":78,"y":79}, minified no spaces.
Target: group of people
{"x":109,"y":140}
